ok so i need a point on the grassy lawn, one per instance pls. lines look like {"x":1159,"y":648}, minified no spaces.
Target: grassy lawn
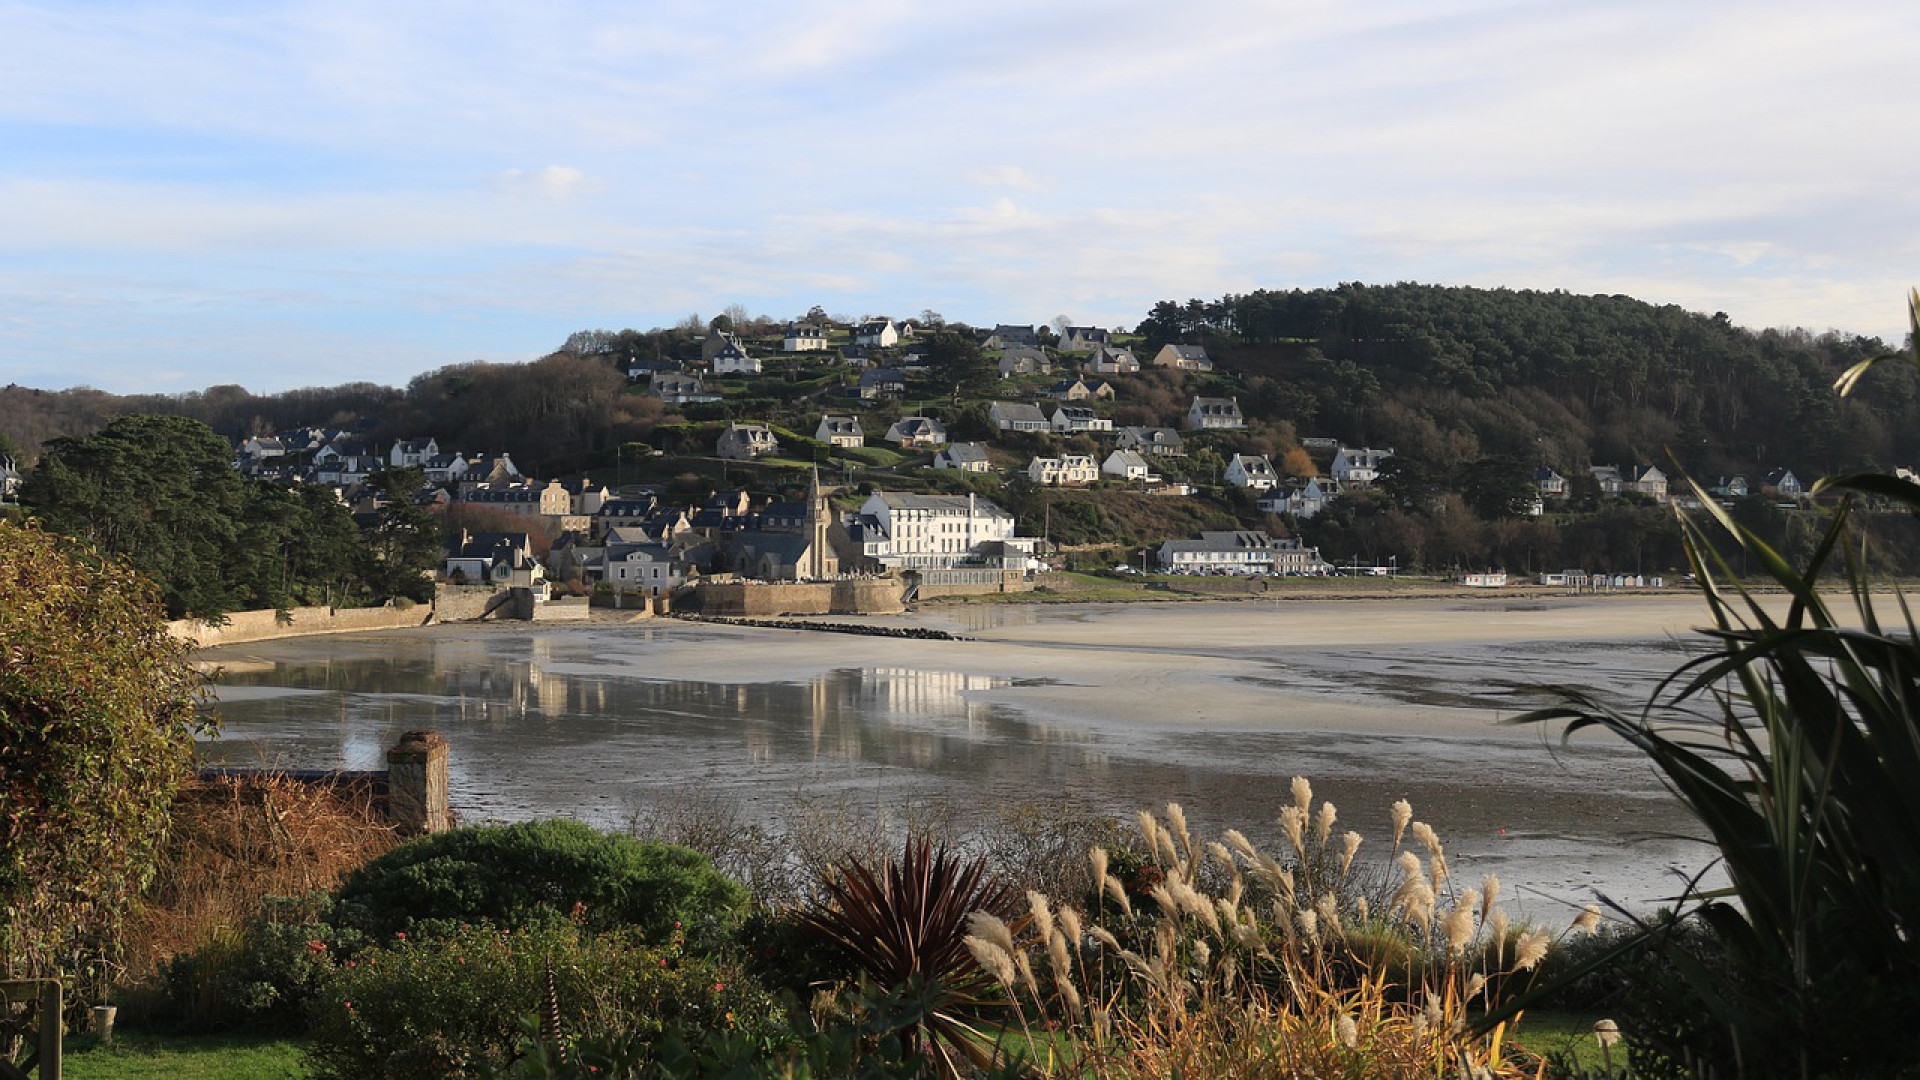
{"x":139,"y":1056}
{"x":1569,"y":1034}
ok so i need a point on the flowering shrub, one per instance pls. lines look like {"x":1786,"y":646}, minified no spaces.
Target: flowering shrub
{"x":262,"y":977}
{"x":453,"y":1005}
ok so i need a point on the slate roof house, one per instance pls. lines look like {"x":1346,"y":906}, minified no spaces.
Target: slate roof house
{"x":1240,"y":552}
{"x":1183,"y":358}
{"x":742,"y":442}
{"x":840,"y":430}
{"x":914,"y":431}
{"x":964,"y":456}
{"x":1215,"y":414}
{"x":1082,"y":339}
{"x":1017,"y":416}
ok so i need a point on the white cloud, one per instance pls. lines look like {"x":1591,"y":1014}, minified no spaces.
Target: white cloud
{"x":557,"y":182}
{"x":598,"y":163}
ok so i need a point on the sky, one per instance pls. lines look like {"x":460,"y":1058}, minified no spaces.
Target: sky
{"x":282,"y":195}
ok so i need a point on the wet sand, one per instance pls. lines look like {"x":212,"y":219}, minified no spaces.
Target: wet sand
{"x":1214,"y":705}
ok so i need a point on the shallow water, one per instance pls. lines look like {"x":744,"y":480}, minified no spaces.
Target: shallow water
{"x":601,"y":720}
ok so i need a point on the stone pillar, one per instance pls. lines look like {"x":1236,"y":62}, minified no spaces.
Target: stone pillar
{"x":417,"y":783}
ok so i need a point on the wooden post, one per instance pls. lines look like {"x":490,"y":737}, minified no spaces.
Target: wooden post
{"x":417,"y":783}
{"x":44,"y":1058}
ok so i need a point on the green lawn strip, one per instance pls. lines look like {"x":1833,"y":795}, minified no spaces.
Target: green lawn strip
{"x":1547,"y":1032}
{"x":142,"y":1056}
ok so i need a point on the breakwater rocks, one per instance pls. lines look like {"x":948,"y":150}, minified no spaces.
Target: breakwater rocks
{"x":919,"y":632}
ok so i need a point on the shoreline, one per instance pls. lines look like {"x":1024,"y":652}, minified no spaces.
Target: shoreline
{"x":1117,"y":706}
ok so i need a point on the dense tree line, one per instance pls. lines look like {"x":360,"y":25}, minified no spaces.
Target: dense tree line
{"x":160,"y":493}
{"x":1569,"y":379}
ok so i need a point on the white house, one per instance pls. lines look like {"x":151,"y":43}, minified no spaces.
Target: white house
{"x":1215,"y":414}
{"x":642,"y":568}
{"x":1128,"y":465}
{"x":1358,"y":467}
{"x":731,"y":359}
{"x":804,"y":337}
{"x":840,"y":430}
{"x":1647,"y":480}
{"x":1067,"y":470}
{"x":1110,"y":361}
{"x":1548,"y":483}
{"x":933,"y":531}
{"x":1251,"y":471}
{"x":1303,"y":501}
{"x":1240,"y":552}
{"x":877,"y":333}
{"x":1068,"y":419}
{"x":1783,"y":483}
{"x":413,"y":453}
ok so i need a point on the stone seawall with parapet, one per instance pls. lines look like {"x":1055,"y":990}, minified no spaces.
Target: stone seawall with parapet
{"x":297,"y":622}
{"x":742,"y":599}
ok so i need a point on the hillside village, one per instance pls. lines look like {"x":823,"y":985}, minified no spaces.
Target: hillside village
{"x":907,"y":441}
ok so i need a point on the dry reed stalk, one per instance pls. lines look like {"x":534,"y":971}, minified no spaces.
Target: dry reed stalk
{"x":1208,"y":985}
{"x":235,"y":843}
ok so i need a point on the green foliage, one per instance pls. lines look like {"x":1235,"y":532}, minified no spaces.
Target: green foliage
{"x":1796,"y":743}
{"x":541,"y":871}
{"x":264,"y":977}
{"x":97,"y":716}
{"x":904,"y":924}
{"x":403,"y":544}
{"x":159,"y":491}
{"x":454,"y":1005}
{"x":869,"y":1040}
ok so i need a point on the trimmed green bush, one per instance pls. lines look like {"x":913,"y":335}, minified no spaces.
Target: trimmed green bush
{"x":540,"y":872}
{"x":456,"y":1005}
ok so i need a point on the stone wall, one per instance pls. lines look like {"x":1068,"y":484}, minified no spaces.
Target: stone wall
{"x":564,"y":609}
{"x":266,"y":625}
{"x":854,"y":596}
{"x":464,"y":603}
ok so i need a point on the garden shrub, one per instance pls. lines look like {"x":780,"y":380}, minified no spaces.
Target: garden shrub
{"x":455,"y":1005}
{"x":540,"y":872}
{"x":264,"y":976}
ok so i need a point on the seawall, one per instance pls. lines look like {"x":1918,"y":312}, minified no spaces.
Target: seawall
{"x":297,"y":622}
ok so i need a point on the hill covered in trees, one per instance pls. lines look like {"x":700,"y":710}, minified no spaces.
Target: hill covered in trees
{"x":1474,"y":389}
{"x":1452,"y":375}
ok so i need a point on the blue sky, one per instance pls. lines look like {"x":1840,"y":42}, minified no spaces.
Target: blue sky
{"x":300,"y":194}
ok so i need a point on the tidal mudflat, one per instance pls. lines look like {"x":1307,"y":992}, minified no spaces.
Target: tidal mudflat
{"x":1108,"y":707}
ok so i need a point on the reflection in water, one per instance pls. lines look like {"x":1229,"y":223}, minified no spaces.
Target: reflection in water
{"x":542,"y":732}
{"x":581,"y":723}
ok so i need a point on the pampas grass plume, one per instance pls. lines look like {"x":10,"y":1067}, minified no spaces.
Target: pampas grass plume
{"x":1323,"y":824}
{"x":1402,"y":813}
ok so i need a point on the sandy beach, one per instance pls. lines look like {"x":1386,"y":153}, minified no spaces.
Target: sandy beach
{"x":1213,"y":705}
